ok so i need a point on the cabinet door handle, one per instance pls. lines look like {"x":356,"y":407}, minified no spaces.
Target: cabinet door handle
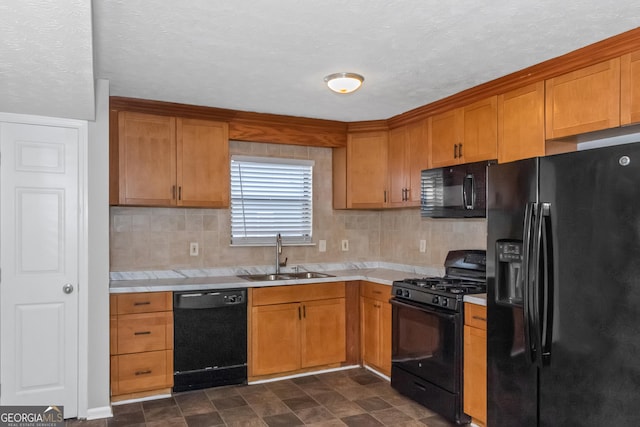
{"x":460,"y":150}
{"x":455,"y":151}
{"x":173,"y":192}
{"x":142,"y":303}
{"x":147,"y":372}
{"x":304,"y":311}
{"x":299,"y":313}
{"x":142,"y":333}
{"x":180,"y":192}
{"x":385,"y":196}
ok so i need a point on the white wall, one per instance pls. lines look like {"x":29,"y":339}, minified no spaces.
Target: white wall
{"x":97,"y":387}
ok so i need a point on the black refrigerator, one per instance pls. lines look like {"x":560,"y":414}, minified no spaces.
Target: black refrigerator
{"x":563,"y":290}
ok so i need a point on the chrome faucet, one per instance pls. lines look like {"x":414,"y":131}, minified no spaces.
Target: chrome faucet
{"x":278,"y":252}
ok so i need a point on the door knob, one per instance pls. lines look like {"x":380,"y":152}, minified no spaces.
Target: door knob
{"x":68,"y":288}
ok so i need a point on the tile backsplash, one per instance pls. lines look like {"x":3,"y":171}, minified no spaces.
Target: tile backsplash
{"x":145,"y":238}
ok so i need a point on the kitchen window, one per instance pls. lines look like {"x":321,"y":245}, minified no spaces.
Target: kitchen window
{"x":270,"y":196}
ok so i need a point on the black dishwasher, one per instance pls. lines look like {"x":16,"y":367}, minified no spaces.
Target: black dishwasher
{"x":210,"y":339}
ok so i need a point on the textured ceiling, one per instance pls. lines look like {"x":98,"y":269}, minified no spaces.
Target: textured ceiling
{"x":271,"y":56}
{"x":46,"y":58}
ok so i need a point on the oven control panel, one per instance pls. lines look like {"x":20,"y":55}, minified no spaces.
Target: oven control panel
{"x":448,"y":302}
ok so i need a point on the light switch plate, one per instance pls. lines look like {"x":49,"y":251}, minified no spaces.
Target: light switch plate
{"x":345,"y":245}
{"x":423,"y":246}
{"x":322,"y":245}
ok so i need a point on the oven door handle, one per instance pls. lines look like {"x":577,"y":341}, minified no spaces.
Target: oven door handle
{"x":438,"y":313}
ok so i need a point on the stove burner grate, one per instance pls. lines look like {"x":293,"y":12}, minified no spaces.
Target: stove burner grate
{"x":447,"y":284}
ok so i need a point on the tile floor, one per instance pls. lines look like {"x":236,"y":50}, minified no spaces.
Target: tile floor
{"x":354,"y":397}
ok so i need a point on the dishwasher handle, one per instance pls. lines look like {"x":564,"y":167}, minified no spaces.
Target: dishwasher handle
{"x":209,"y":299}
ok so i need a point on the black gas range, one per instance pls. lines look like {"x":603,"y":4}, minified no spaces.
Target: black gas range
{"x":465,"y":273}
{"x":427,"y":333}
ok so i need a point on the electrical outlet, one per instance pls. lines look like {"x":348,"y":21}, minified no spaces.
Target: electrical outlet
{"x":194,"y":249}
{"x":322,"y":245}
{"x":345,"y":245}
{"x":423,"y":246}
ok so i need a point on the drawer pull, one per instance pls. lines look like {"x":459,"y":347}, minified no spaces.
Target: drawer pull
{"x":142,"y":303}
{"x":377,"y":292}
{"x":484,"y":319}
{"x":143,"y":372}
{"x":142,"y":333}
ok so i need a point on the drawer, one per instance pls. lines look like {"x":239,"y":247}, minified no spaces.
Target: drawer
{"x":297,"y":293}
{"x":141,"y":371}
{"x":375,"y":291}
{"x":143,"y":302}
{"x":475,"y":316}
{"x":144,"y":332}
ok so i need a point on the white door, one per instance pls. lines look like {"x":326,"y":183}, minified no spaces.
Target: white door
{"x":39,"y":220}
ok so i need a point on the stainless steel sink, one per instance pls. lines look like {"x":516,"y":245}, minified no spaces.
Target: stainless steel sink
{"x":309,"y":275}
{"x":284,"y":276}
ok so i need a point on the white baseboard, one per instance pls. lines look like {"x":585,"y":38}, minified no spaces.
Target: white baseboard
{"x":373,"y":371}
{"x":97,"y":413}
{"x":304,"y":374}
{"x":141,"y":399}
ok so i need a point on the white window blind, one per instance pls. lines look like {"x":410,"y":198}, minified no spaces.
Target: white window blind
{"x":271,"y":196}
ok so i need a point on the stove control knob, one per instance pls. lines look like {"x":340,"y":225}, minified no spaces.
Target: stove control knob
{"x":435,"y":300}
{"x":445,"y":302}
{"x":399,"y":292}
{"x":406,"y":293}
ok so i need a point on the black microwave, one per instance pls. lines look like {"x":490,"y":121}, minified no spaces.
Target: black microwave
{"x":458,"y":191}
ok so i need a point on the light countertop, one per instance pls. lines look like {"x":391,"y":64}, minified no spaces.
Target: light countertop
{"x":195,"y":280}
{"x":480,"y":299}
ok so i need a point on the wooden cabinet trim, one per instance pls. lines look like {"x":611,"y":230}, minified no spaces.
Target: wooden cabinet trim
{"x":259,"y":127}
{"x":603,"y":50}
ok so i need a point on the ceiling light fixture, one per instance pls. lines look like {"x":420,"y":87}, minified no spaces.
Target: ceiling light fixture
{"x":344,"y":82}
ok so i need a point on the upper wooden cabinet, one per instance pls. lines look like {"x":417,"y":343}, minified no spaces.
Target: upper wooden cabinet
{"x":169,"y":161}
{"x":147,"y":159}
{"x":464,"y":135}
{"x":408,"y":155}
{"x":521,"y":123}
{"x":202,"y":163}
{"x":630,"y":88}
{"x":584,"y":100}
{"x":360,"y":178}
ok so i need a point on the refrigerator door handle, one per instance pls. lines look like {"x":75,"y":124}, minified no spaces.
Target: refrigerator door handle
{"x":526,"y":273}
{"x":546,"y":333}
{"x":468,"y":192}
{"x":536,"y":290}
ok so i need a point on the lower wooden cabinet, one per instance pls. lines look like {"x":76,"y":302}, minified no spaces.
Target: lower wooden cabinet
{"x":297,"y":327}
{"x":475,"y":363}
{"x":141,"y":344}
{"x":375,"y":324}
